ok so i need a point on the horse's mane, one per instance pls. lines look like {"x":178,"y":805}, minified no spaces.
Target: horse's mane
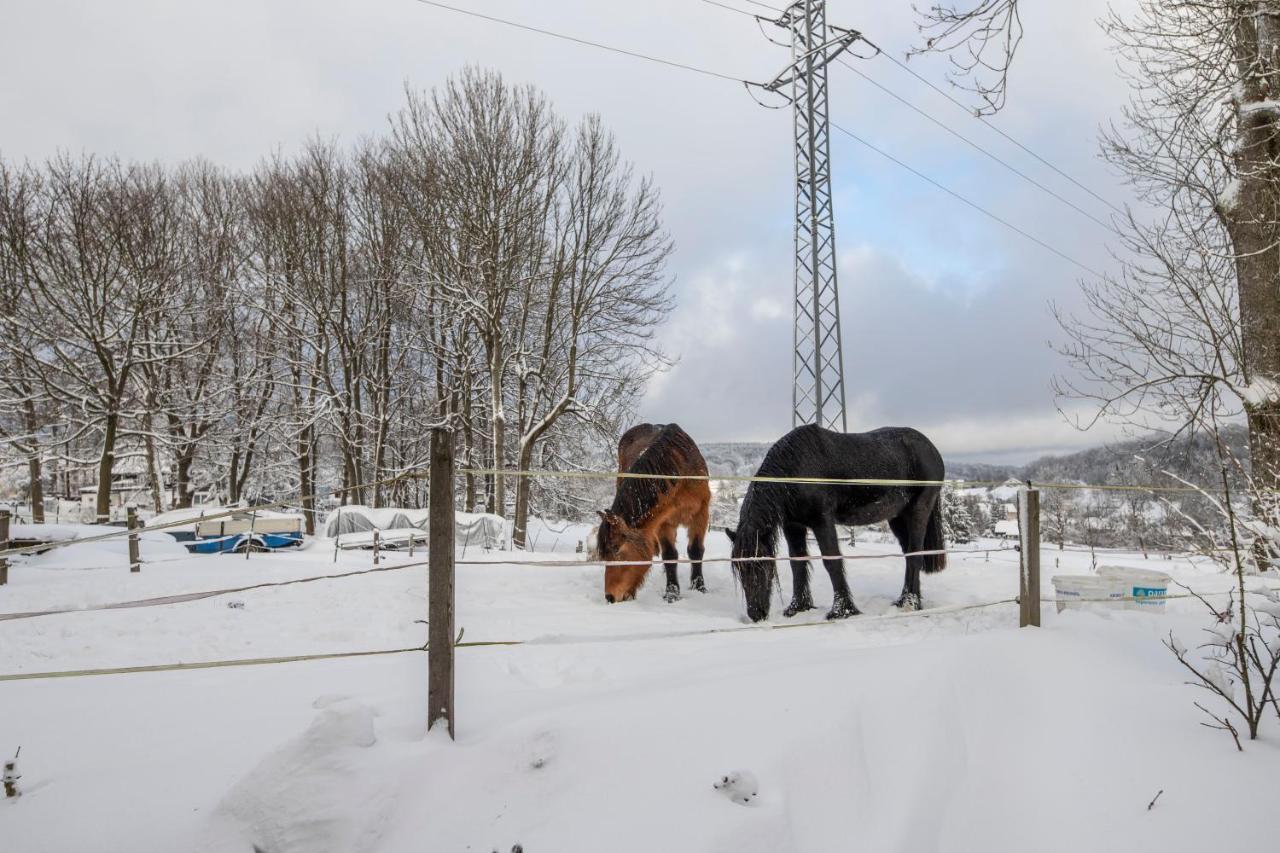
{"x":758,"y":521}
{"x":672,"y":451}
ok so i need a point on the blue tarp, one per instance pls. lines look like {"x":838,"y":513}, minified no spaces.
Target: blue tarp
{"x":228,"y":544}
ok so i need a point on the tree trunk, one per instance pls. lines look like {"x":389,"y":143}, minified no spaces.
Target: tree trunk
{"x":233,"y":476}
{"x":1251,"y":222}
{"x":106,"y":465}
{"x":183,"y":487}
{"x":304,"y":480}
{"x":523,"y":486}
{"x":468,"y":450}
{"x":36,"y":489}
{"x":153,"y":469}
{"x":499,"y":424}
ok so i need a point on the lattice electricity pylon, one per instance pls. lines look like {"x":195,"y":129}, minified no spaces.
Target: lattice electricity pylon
{"x":818,"y":361}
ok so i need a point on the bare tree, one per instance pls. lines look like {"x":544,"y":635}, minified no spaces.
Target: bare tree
{"x":500,"y":156}
{"x":601,"y":305}
{"x":24,"y":409}
{"x":1187,"y":337}
{"x":980,"y":39}
{"x":1189,"y":334}
{"x":302,"y":325}
{"x":184,"y":385}
{"x":105,"y":265}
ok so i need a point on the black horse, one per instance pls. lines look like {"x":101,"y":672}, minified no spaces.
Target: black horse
{"x":914,"y":512}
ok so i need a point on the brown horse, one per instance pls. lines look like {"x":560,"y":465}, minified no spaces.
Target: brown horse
{"x":647,"y":511}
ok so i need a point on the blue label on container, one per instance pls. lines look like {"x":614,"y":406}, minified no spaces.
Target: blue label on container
{"x":1148,"y":592}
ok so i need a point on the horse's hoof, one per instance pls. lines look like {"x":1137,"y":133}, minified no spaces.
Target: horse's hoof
{"x":699,"y":584}
{"x":908,"y":601}
{"x":843,"y":610}
{"x":672,"y":594}
{"x":797,"y":607}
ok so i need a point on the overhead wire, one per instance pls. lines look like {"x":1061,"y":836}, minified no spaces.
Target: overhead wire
{"x":939,"y":123}
{"x":1006,"y":223}
{"x":576,"y":40}
{"x":708,"y":72}
{"x":1010,"y":139}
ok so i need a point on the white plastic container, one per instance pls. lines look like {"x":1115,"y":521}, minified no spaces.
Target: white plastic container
{"x":1144,"y":589}
{"x":1088,"y":592}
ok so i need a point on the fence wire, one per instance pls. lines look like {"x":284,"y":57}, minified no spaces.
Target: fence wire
{"x":608,"y":638}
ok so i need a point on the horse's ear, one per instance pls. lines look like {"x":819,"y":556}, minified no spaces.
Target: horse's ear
{"x":611,"y":518}
{"x":732,"y":534}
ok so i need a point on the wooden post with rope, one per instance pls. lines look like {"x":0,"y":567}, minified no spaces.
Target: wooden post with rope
{"x":440,"y":578}
{"x":1029,"y":557}
{"x":4,"y":546}
{"x":135,"y":558}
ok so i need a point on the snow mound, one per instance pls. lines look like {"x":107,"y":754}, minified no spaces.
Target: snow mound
{"x":356,"y":518}
{"x":319,"y":793}
{"x":476,"y":529}
{"x":479,"y":528}
{"x":740,"y":786}
{"x":105,"y":553}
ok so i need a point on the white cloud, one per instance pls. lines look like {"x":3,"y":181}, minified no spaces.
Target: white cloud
{"x":767,"y":308}
{"x":945,"y":320}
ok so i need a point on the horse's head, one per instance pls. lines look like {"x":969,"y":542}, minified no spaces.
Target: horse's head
{"x":757,"y":576}
{"x":619,"y":542}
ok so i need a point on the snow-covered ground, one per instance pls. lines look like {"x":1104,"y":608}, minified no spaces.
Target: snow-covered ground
{"x":608,"y":728}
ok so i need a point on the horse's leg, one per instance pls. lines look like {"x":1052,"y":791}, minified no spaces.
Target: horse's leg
{"x":901,"y":527}
{"x":915,"y":520}
{"x":797,"y":547}
{"x":697,"y":533}
{"x":670,"y":556}
{"x":842,"y":600}
{"x":695,"y":550}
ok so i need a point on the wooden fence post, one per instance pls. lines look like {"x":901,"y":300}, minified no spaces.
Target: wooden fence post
{"x":248,"y":543}
{"x":4,"y":546}
{"x":440,"y":582}
{"x":135,"y":559}
{"x":1029,"y":557}
{"x":377,"y":544}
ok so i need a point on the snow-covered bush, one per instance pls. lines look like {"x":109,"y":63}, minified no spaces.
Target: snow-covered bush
{"x":1238,"y":661}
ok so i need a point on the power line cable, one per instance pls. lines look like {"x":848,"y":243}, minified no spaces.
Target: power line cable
{"x":988,"y":123}
{"x":710,"y":73}
{"x":1006,"y":223}
{"x":921,"y":112}
{"x":966,"y":140}
{"x":623,"y":51}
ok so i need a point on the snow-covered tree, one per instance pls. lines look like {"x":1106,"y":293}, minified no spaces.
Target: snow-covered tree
{"x":957,"y":522}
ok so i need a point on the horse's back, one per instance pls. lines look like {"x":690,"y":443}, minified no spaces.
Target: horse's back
{"x":888,"y":452}
{"x":634,"y":442}
{"x":663,"y":450}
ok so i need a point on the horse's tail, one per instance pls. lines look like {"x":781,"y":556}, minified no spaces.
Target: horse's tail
{"x":934,"y":540}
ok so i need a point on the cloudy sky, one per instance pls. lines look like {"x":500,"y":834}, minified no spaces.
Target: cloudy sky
{"x":946,"y":321}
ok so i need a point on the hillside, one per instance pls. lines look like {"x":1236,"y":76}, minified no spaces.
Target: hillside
{"x":1192,"y":460}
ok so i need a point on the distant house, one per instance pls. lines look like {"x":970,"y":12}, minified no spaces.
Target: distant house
{"x":125,"y":489}
{"x":1006,"y":528}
